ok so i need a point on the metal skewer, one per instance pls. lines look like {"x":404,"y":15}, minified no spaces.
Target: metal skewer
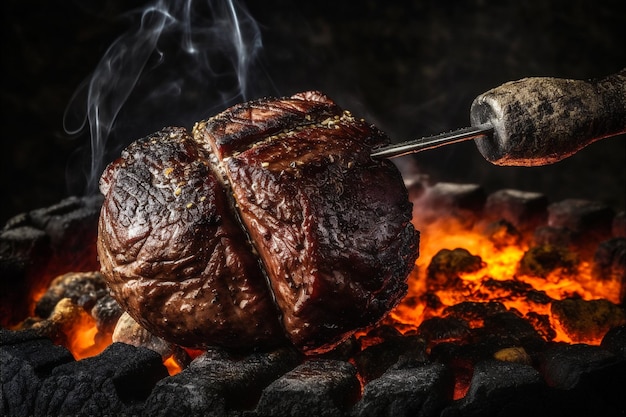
{"x":431,"y":142}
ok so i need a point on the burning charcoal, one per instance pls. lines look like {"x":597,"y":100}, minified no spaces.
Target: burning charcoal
{"x":590,"y":221}
{"x":315,"y":388}
{"x":374,"y":360}
{"x":22,"y":252}
{"x":216,"y":384}
{"x":83,"y":288}
{"x":610,"y":264}
{"x":540,"y":261}
{"x":344,"y":351}
{"x":59,"y":326}
{"x":503,"y":234}
{"x":474,"y":312}
{"x":463,"y":202}
{"x":420,"y":391}
{"x":514,"y":289}
{"x":618,"y":229}
{"x":129,"y":331}
{"x":500,"y":389}
{"x":587,"y":321}
{"x":553,"y":236}
{"x":106,"y":312}
{"x":513,"y":354}
{"x":445,"y":267}
{"x":615,"y":341}
{"x":118,"y":381}
{"x":437,"y":329}
{"x":541,"y":323}
{"x":504,"y":330}
{"x":524,"y":210}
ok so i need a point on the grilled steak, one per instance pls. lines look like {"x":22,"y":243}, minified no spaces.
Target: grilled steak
{"x":173,"y":252}
{"x":329,"y":225}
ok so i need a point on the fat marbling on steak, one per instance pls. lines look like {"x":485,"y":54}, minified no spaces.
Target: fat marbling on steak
{"x":329,"y":226}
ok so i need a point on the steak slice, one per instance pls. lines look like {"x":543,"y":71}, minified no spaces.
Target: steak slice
{"x":174,"y":253}
{"x":331,"y":225}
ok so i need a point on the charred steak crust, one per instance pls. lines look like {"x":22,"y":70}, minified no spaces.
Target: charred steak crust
{"x":330,"y":227}
{"x":174,"y":255}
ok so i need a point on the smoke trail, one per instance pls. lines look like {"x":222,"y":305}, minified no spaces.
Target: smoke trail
{"x":181,"y":61}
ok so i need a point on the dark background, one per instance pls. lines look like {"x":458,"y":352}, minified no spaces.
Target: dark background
{"x":411,"y":67}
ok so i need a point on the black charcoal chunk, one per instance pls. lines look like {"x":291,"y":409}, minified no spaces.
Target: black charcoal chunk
{"x":374,"y":360}
{"x":115,"y":382}
{"x":317,"y":388}
{"x":497,"y":388}
{"x":419,"y":391}
{"x":615,"y":341}
{"x":524,"y":210}
{"x":463,"y":202}
{"x":25,"y":359}
{"x":216,"y":384}
{"x":585,"y":380}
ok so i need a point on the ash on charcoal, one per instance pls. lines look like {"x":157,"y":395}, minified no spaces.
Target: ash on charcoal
{"x":501,"y":389}
{"x":59,"y":325}
{"x":415,"y":391}
{"x":83,"y":288}
{"x":445,"y":267}
{"x":615,"y":341}
{"x":216,"y":384}
{"x":106,"y":312}
{"x":524,"y":210}
{"x":609,"y":264}
{"x":374,"y":360}
{"x":541,"y":261}
{"x":591,"y":221}
{"x":463,"y":202}
{"x":587,"y":320}
{"x":315,"y":388}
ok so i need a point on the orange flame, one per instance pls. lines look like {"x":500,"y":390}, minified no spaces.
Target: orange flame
{"x":499,"y":264}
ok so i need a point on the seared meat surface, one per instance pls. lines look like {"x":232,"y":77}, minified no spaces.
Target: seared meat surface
{"x":173,"y":252}
{"x":330,"y":227}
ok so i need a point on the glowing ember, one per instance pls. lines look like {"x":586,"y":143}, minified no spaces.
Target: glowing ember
{"x":501,"y":277}
{"x":464,"y":274}
{"x":172,"y":366}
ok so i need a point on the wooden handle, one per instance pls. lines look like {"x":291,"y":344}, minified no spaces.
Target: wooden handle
{"x":542,"y":120}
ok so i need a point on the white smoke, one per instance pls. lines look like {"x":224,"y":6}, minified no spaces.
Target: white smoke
{"x":180,"y":61}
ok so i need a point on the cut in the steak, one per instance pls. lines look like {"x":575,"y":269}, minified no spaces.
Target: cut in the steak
{"x":173,"y":252}
{"x":271,"y":223}
{"x":331,"y":225}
